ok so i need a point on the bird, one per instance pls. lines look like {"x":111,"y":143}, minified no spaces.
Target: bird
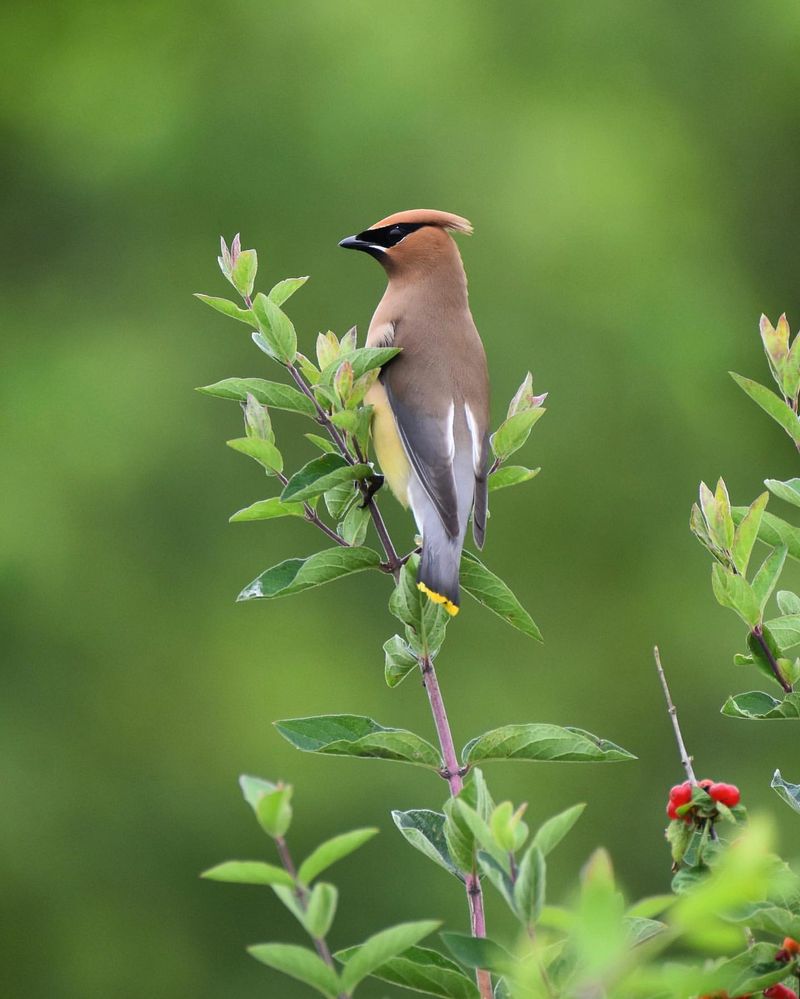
{"x":430,"y":422}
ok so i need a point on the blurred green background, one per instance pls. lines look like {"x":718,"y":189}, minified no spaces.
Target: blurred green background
{"x":631,"y":171}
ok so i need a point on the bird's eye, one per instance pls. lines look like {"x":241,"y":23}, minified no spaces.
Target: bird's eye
{"x":397,"y":232}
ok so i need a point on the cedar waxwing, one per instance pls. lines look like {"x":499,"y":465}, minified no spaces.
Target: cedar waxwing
{"x":430,"y":423}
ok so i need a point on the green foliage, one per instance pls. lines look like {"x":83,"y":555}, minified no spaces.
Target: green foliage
{"x":493,"y":593}
{"x":267,"y":393}
{"x":298,"y":574}
{"x":425,"y":831}
{"x":540,"y":742}
{"x":249,"y":872}
{"x":331,"y":851}
{"x":299,"y":963}
{"x":382,"y":947}
{"x":421,"y":970}
{"x":790,"y":793}
{"x":355,"y":735}
{"x":758,"y":706}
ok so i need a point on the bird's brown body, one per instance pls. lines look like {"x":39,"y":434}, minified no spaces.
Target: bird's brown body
{"x":431,"y":404}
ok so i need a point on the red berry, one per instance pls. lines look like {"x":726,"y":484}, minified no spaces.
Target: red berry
{"x":791,"y":945}
{"x":672,"y":810}
{"x":725,"y":794}
{"x":705,"y":784}
{"x":780,"y":992}
{"x":681,"y":794}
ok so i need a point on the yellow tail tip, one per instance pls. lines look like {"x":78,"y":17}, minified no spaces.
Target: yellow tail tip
{"x":438,"y":598}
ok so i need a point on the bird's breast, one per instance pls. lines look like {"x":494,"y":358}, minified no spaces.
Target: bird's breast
{"x":388,"y":447}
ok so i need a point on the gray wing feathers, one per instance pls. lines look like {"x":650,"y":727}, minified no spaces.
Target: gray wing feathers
{"x":429,"y":443}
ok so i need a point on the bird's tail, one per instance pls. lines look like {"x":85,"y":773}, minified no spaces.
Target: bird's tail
{"x":439,"y":566}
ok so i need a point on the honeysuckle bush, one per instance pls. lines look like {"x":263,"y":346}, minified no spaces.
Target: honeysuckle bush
{"x":730,"y":535}
{"x":718,"y":931}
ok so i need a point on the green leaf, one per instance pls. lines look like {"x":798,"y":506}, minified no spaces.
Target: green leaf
{"x":514,"y":432}
{"x":769,"y":918}
{"x":382,"y":947}
{"x":421,"y":970}
{"x":755,"y":705}
{"x":550,"y":833}
{"x":354,"y":526}
{"x":541,"y":742}
{"x":248,"y":872}
{"x":457,"y":833}
{"x":400,"y":661}
{"x":298,"y":574}
{"x":510,"y":475}
{"x":321,"y":909}
{"x":424,"y":830}
{"x":479,"y":952}
{"x":639,"y":930}
{"x":529,"y":888}
{"x":331,"y":851}
{"x":735,"y":592}
{"x":266,"y":454}
{"x":492,"y":592}
{"x":326,"y":446}
{"x":267,"y":393}
{"x":254,"y":789}
{"x":747,"y":532}
{"x":491,"y":868}
{"x":362,"y":360}
{"x":228,"y":308}
{"x":650,"y":906}
{"x":771,"y":404}
{"x":320,"y":475}
{"x":790,"y":793}
{"x":243,"y":272}
{"x":267,"y":509}
{"x":274,"y":811}
{"x":426,"y":622}
{"x":767,"y":576}
{"x":760,"y":656}
{"x":299,"y":963}
{"x":284,"y":290}
{"x":775,"y":532}
{"x":275,"y":328}
{"x":785,"y":630}
{"x":789,"y":490}
{"x":788,"y":602}
{"x":356,"y":735}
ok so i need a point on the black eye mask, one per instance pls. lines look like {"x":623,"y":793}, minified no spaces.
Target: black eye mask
{"x":389,"y":235}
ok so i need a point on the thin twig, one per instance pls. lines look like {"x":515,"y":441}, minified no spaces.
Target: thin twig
{"x":302,"y":900}
{"x":686,"y":760}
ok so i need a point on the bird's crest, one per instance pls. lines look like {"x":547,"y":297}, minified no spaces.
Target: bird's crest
{"x":427,"y":216}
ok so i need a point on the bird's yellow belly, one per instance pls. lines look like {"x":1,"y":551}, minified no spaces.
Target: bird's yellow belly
{"x":388,"y":446}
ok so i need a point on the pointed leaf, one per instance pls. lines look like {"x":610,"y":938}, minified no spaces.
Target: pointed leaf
{"x":510,"y":475}
{"x":747,"y":532}
{"x":356,"y":735}
{"x":243,"y":272}
{"x":353,"y":528}
{"x":320,"y":475}
{"x":541,"y":742}
{"x":479,"y":952}
{"x":790,"y":793}
{"x":492,"y":592}
{"x":785,"y":630}
{"x":254,"y":789}
{"x":514,"y":432}
{"x":326,"y":446}
{"x":382,"y":947}
{"x":772,"y":405}
{"x":266,"y":454}
{"x":285,"y":289}
{"x":766,"y":578}
{"x":275,"y":329}
{"x":424,"y":830}
{"x":228,"y":308}
{"x":421,"y":970}
{"x":788,"y":491}
{"x":362,"y":360}
{"x":755,"y":705}
{"x":321,"y":909}
{"x":550,"y":833}
{"x":491,"y":868}
{"x":298,"y":574}
{"x":299,"y":963}
{"x":788,"y":602}
{"x":733,"y":591}
{"x":267,"y":509}
{"x":267,"y":393}
{"x":400,"y":661}
{"x":331,"y":850}
{"x":529,"y":888}
{"x":249,"y":872}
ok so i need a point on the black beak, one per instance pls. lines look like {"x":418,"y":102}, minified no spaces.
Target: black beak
{"x":353,"y":243}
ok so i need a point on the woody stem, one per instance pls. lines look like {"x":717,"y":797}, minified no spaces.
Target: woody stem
{"x":454,"y":775}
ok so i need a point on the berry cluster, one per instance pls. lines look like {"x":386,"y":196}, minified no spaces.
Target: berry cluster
{"x":681,"y":796}
{"x":790,"y":950}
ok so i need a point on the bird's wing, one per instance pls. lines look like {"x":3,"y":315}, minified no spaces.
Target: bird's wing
{"x":430,"y":445}
{"x":480,"y":462}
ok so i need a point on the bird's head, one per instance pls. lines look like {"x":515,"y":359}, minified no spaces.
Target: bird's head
{"x":410,"y":241}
